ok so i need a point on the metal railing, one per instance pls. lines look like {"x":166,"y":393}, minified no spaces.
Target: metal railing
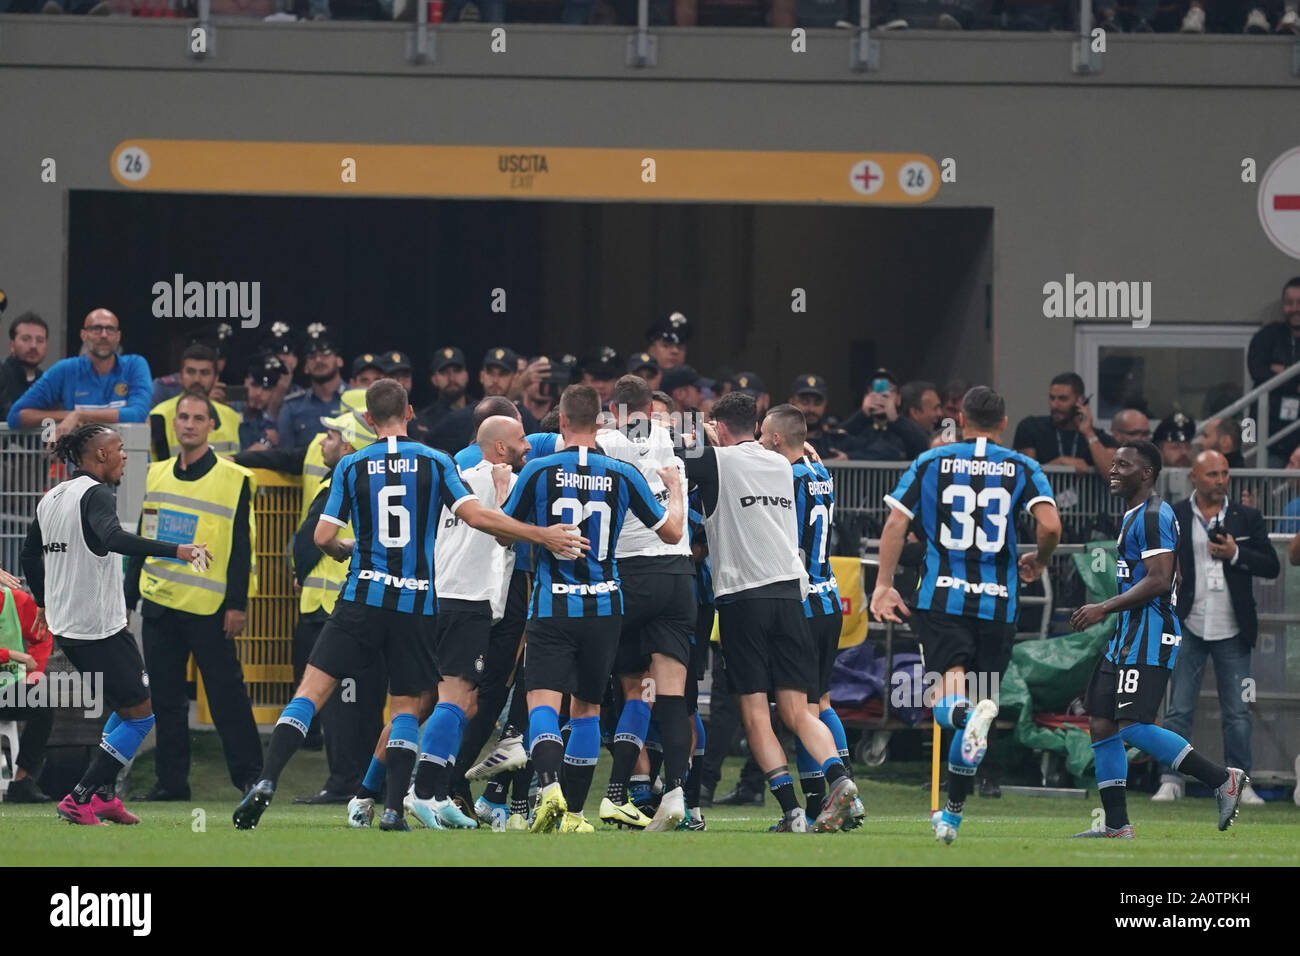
{"x":1259,"y":396}
{"x":1088,"y":509}
{"x":26,"y":473}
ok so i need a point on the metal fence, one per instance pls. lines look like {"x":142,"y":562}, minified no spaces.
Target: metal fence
{"x":1088,"y":510}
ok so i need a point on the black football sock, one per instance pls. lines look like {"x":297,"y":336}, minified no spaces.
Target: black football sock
{"x":654,"y":753}
{"x":400,"y":756}
{"x":1211,"y":774}
{"x":1114,"y":802}
{"x":814,"y":792}
{"x":675,"y":732}
{"x":959,"y":788}
{"x":286,"y":740}
{"x":575,"y":781}
{"x":432,"y":779}
{"x":959,"y":714}
{"x":691,"y":789}
{"x":103,"y":770}
{"x":495,"y":791}
{"x":548,"y":755}
{"x":781,"y":784}
{"x":521,"y":782}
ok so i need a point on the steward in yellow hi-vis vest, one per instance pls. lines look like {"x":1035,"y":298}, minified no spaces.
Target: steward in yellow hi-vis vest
{"x":197,"y":498}
{"x":315,"y":470}
{"x":198,"y":372}
{"x":349,"y":732}
{"x":224,"y":437}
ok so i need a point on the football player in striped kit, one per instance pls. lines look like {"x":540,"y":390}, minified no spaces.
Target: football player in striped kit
{"x":961,"y":500}
{"x":577,"y":607}
{"x":389,"y":492}
{"x":1128,"y":683}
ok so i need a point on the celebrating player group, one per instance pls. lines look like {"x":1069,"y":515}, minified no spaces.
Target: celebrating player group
{"x":579,"y":572}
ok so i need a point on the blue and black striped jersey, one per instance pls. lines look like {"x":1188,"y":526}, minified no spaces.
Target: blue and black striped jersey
{"x":583,"y":487}
{"x":1149,"y":634}
{"x":962,"y":500}
{"x":814,"y":509}
{"x":703,"y":570}
{"x":391,"y":492}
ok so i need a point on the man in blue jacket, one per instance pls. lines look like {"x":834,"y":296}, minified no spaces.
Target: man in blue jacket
{"x":98,"y":386}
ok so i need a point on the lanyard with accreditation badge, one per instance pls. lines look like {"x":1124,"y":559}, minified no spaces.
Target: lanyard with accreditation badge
{"x":1214,"y":580}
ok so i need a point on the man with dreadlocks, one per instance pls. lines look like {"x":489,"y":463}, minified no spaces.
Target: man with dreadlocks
{"x":71,"y":561}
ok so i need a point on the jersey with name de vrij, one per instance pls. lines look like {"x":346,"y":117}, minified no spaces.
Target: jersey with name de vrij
{"x":392,"y":492}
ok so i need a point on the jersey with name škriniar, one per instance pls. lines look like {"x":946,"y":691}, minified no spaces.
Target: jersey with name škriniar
{"x":962,"y":500}
{"x":392,"y":492}
{"x":582,"y":487}
{"x":1149,"y":634}
{"x":814,"y":509}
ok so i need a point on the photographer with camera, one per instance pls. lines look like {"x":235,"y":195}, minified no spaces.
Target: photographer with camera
{"x":876,"y":432}
{"x":1066,"y":436}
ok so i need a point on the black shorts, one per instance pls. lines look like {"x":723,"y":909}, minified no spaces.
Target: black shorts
{"x":508,"y":634}
{"x":462,"y":635}
{"x":356,"y":634}
{"x":117,"y":658}
{"x":699,"y":663}
{"x":972,"y":643}
{"x":767,"y":646}
{"x":658,"y":618}
{"x":1128,"y":692}
{"x":573,"y":655}
{"x":825,"y":630}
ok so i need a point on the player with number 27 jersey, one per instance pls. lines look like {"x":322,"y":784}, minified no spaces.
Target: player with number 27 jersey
{"x":814,"y":502}
{"x":583,"y":487}
{"x":962,"y":500}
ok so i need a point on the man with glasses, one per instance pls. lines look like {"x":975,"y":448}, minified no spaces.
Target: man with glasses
{"x":100,"y":385}
{"x":300,"y":417}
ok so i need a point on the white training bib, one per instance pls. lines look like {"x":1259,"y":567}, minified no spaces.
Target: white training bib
{"x":469,"y":565}
{"x":647,"y":455}
{"x":753,"y":534}
{"x":84,"y":598}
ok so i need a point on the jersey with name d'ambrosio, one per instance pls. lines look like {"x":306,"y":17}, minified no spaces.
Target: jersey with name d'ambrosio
{"x":962,"y":501}
{"x":582,"y":487}
{"x":392,"y":492}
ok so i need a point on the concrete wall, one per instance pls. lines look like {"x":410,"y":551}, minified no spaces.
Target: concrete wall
{"x":1133,"y":174}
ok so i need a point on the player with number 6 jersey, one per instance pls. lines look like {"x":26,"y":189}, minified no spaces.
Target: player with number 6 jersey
{"x":961,"y":500}
{"x":390,"y":493}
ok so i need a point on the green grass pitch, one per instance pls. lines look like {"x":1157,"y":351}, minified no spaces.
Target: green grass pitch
{"x":1012,"y":831}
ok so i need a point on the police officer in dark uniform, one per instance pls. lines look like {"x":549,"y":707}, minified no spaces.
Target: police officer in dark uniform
{"x":367,"y":368}
{"x":667,"y":340}
{"x":396,"y":365}
{"x":257,"y":428}
{"x":300,"y":418}
{"x":810,"y":394}
{"x":449,"y":378}
{"x":645,"y":365}
{"x":456,"y":429}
